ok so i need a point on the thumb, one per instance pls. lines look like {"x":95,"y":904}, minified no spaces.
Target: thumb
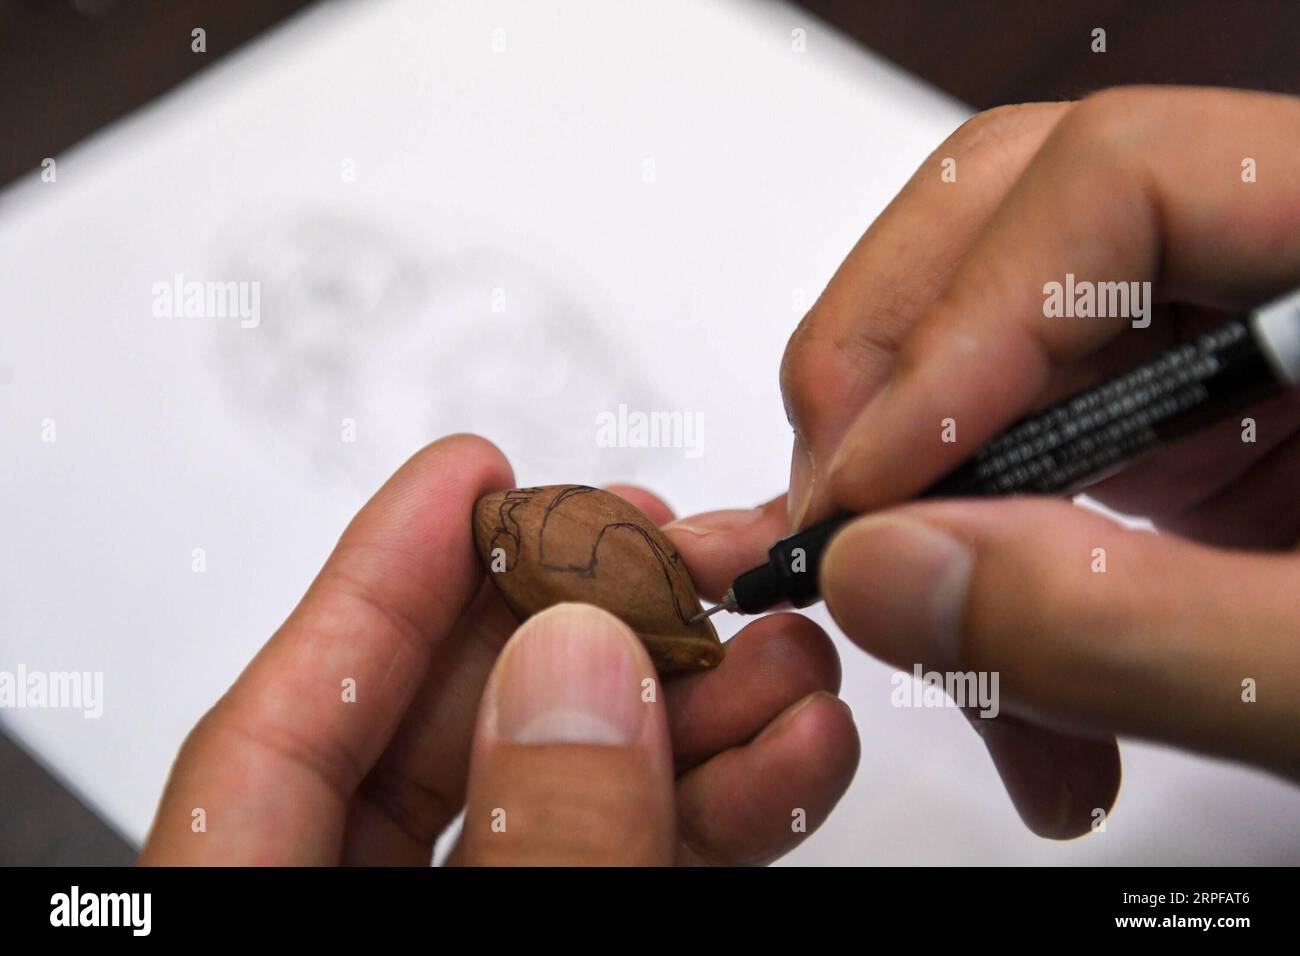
{"x":1090,"y":627}
{"x":571,"y":762}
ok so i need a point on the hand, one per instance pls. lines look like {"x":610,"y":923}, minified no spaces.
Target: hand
{"x":563,"y":763}
{"x":938,"y":313}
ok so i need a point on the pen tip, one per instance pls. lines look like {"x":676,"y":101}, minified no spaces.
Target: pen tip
{"x":728,"y":604}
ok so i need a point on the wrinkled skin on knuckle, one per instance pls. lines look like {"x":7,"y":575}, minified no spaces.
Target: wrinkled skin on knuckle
{"x":993,"y":138}
{"x":793,"y":374}
{"x":996,"y":125}
{"x":564,"y":822}
{"x":813,"y":370}
{"x":1118,"y":121}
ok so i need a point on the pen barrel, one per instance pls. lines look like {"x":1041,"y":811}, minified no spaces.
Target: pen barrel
{"x":1079,"y":441}
{"x":1072,"y":444}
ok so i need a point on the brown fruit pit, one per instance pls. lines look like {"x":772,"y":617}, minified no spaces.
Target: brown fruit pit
{"x":544,"y":546}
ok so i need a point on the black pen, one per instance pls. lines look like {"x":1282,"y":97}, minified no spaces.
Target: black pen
{"x":1079,"y":440}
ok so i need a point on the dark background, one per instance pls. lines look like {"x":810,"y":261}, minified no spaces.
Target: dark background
{"x":68,"y":67}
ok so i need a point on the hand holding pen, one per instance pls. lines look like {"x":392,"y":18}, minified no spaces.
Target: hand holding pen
{"x":937,"y":321}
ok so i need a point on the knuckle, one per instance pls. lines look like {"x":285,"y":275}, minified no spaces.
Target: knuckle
{"x":799,"y":368}
{"x":995,"y":127}
{"x":795,"y":355}
{"x":978,"y":127}
{"x":562,"y":821}
{"x":1116,"y":119}
{"x":418,"y":809}
{"x":833,"y":358}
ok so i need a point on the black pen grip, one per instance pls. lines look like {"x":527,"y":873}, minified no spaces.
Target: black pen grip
{"x":790,"y":573}
{"x":1063,"y":448}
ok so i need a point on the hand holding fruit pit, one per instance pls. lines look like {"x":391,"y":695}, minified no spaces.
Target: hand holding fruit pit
{"x":544,"y":546}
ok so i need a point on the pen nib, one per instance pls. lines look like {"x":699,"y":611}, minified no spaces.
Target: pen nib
{"x":728,"y":604}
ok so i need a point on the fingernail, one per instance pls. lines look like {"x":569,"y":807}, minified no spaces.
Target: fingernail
{"x":570,"y":675}
{"x":898,"y":587}
{"x":787,"y":718}
{"x":714,"y":521}
{"x":1035,"y":781}
{"x":850,"y":455}
{"x":801,"y":479}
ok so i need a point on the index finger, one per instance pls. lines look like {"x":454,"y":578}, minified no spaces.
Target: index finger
{"x":1116,"y":194}
{"x":274,"y":763}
